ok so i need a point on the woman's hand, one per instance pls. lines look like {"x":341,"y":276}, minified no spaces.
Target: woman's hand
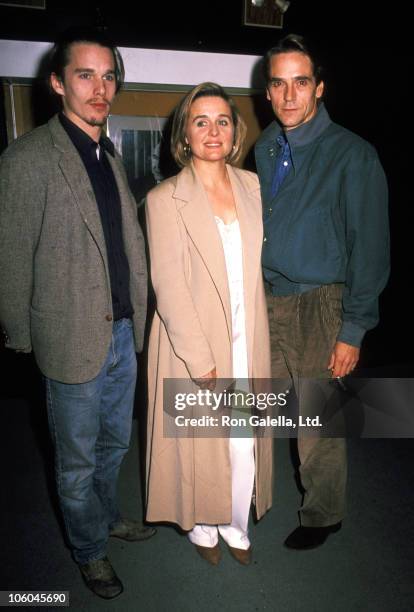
{"x":207,"y":381}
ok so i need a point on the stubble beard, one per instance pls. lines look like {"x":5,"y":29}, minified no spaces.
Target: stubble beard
{"x":93,"y":122}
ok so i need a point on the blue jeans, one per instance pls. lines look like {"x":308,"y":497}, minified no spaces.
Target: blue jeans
{"x":90,"y":424}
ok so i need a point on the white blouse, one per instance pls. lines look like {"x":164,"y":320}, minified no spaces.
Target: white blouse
{"x":233,"y":253}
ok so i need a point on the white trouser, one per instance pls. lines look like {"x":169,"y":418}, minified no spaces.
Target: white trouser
{"x":242,"y":473}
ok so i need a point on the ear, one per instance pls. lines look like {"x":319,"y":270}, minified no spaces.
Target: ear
{"x":319,"y":89}
{"x":57,"y":84}
{"x":268,"y":94}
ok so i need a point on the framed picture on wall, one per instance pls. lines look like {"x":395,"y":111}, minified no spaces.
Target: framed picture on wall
{"x":265,"y":13}
{"x":138,"y":140}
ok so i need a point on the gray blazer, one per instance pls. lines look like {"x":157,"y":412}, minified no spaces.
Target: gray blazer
{"x":55,"y":295}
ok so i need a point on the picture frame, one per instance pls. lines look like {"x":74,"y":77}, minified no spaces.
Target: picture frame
{"x":138,"y":139}
{"x":262,"y":14}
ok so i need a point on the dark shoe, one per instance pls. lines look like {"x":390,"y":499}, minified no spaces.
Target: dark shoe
{"x":242,"y":556}
{"x":212,"y":555}
{"x":101,"y":579}
{"x":305,"y":538}
{"x":131,"y":531}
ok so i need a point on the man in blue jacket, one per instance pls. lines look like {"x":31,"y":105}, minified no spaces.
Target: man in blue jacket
{"x":325,"y":258}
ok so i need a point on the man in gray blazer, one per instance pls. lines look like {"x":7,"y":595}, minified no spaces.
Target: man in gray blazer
{"x":73,"y":289}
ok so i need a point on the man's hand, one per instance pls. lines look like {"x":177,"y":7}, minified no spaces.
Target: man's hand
{"x":343,"y":359}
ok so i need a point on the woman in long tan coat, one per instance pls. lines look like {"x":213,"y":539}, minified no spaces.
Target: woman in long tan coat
{"x":205,"y":238}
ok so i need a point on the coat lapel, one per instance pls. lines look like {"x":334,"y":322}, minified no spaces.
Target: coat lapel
{"x":77,"y":178}
{"x":201,"y":226}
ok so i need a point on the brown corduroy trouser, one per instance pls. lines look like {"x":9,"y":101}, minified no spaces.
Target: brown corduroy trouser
{"x":303,"y":331}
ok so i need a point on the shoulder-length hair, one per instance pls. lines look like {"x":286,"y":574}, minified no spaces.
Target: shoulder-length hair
{"x":179,"y":148}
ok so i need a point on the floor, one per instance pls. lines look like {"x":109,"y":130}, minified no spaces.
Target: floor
{"x":367,"y":566}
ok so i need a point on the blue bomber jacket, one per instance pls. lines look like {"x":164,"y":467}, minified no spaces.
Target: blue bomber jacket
{"x":328,"y":223}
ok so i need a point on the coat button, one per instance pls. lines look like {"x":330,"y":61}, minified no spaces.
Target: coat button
{"x":108,"y":317}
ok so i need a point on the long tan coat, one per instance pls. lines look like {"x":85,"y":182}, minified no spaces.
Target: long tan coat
{"x":189,"y":479}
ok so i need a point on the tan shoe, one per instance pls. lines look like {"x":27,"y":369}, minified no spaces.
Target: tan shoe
{"x":242,"y":556}
{"x":212,"y":555}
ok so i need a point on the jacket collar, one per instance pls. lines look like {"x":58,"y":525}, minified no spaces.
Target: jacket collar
{"x":300,"y":136}
{"x":188,"y":184}
{"x":309,"y":131}
{"x":61,"y":137}
{"x":82,"y":141}
{"x":77,"y":179}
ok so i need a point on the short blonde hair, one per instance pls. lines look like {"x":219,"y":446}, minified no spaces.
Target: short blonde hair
{"x":179,"y":148}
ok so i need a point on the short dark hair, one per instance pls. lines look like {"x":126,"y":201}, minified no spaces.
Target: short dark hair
{"x":289,"y":44}
{"x":178,"y":143}
{"x":60,"y":55}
